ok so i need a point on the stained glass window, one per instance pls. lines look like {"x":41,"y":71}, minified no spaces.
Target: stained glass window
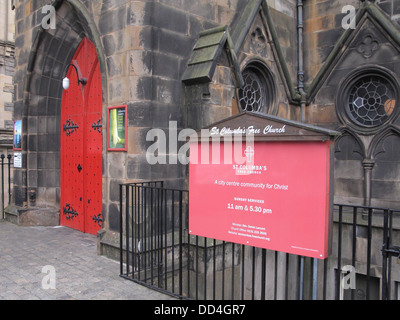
{"x":371,"y":101}
{"x":257,"y":93}
{"x":252,"y":94}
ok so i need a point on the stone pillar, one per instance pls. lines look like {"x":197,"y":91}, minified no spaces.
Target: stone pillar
{"x":368,"y":165}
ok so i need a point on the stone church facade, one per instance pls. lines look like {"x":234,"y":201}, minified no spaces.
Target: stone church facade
{"x":193,"y":63}
{"x":7,"y":52}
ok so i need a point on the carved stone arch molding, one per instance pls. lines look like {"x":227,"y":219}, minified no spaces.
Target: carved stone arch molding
{"x":374,"y":41}
{"x":385,"y":176}
{"x":51,"y":52}
{"x":74,"y":22}
{"x":349,"y":171}
{"x":356,"y":147}
{"x":377,"y":144}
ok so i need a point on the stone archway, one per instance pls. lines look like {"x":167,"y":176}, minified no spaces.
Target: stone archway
{"x":37,"y":184}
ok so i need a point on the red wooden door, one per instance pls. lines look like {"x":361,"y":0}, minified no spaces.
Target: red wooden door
{"x":81,"y":145}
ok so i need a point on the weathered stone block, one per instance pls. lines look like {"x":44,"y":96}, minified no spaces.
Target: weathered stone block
{"x":33,"y":217}
{"x":140,"y":63}
{"x":116,"y":165}
{"x":114,"y":190}
{"x":138,"y":167}
{"x":113,"y":217}
{"x":112,"y":20}
{"x":168,"y":18}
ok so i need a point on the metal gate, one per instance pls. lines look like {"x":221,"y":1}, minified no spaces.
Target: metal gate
{"x":389,"y":251}
{"x":81,"y":144}
{"x":5,"y":186}
{"x":156,"y":250}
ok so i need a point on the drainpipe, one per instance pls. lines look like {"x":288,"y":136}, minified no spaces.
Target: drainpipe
{"x":300,"y":73}
{"x":6,"y":21}
{"x":300,"y":88}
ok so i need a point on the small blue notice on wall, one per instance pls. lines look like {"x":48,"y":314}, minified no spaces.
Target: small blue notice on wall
{"x":18,"y":135}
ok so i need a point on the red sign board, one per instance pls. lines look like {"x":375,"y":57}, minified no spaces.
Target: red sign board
{"x":277,"y":199}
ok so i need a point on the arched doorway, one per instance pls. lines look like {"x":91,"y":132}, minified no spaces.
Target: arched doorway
{"x":81,"y":144}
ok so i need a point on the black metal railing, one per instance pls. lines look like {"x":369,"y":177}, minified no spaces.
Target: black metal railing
{"x":389,"y":251}
{"x":5,"y":181}
{"x":157,"y":251}
{"x":152,"y":246}
{"x":361,"y":233}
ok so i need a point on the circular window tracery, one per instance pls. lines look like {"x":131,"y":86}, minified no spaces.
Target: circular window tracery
{"x":257,"y":93}
{"x":252,"y":94}
{"x":371,"y":101}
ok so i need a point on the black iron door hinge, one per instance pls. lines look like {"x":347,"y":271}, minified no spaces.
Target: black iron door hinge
{"x":98,"y":125}
{"x":70,"y":127}
{"x":70,"y":212}
{"x":98,"y":219}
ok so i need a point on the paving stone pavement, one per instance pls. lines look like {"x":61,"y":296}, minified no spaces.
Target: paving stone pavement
{"x":80,"y":273}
